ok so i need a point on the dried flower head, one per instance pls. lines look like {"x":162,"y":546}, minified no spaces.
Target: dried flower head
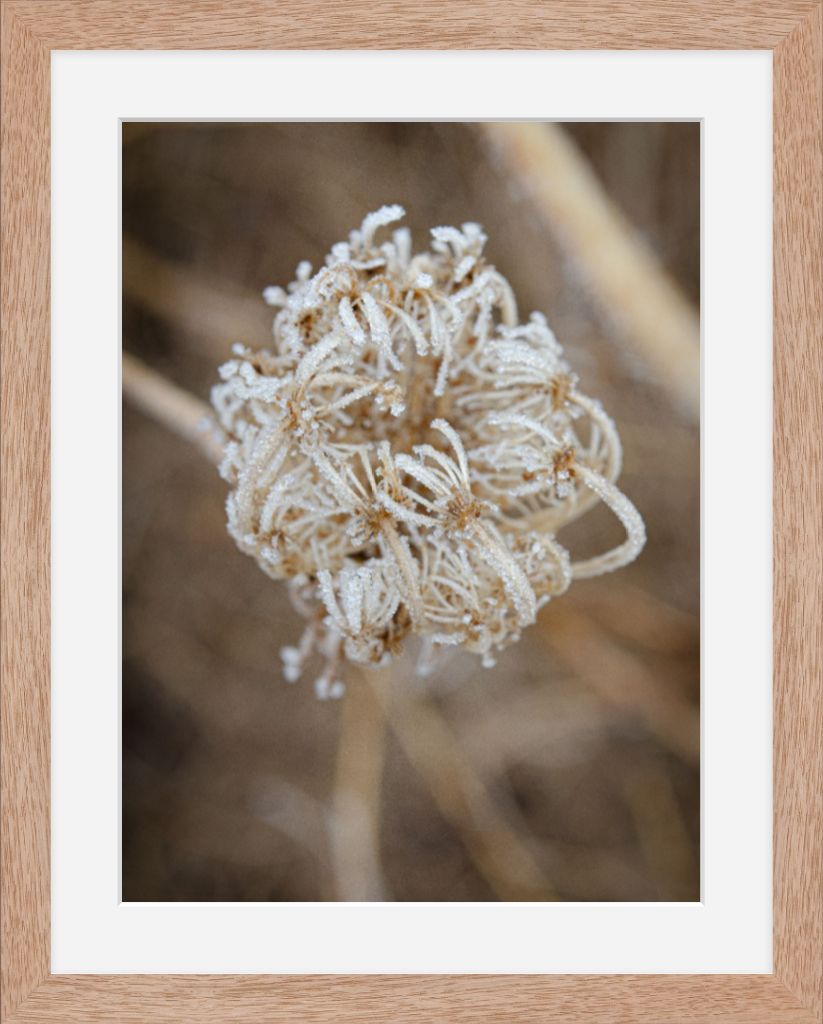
{"x":407,"y":452}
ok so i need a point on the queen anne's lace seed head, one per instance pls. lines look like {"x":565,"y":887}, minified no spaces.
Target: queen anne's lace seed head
{"x":407,"y":452}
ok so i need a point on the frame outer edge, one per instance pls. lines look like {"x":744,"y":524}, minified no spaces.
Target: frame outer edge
{"x":394,"y":24}
{"x":798,"y":524}
{"x":25,"y":719}
{"x":413,"y":999}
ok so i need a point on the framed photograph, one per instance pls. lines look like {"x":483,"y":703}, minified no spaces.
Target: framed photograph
{"x":412,"y":501}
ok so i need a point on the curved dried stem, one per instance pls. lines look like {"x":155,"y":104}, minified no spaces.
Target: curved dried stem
{"x":210,"y":312}
{"x":628,"y":685}
{"x":655,"y":317}
{"x":175,"y":408}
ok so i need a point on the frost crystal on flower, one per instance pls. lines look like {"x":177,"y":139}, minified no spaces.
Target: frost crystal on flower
{"x":407,"y":452}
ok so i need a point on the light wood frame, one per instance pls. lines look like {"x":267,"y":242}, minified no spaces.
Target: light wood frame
{"x":792,"y":29}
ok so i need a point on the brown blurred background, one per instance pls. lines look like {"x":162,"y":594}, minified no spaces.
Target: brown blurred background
{"x":571,"y":770}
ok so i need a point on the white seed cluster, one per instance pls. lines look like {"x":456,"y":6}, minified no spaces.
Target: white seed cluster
{"x":407,"y":451}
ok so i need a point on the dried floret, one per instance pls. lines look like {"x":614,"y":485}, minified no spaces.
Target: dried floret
{"x":407,"y":451}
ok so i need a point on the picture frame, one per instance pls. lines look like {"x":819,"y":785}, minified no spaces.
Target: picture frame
{"x":31,"y":30}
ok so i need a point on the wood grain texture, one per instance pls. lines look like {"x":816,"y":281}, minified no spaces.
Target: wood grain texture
{"x":30,"y":29}
{"x":395,"y":24}
{"x":798,"y":513}
{"x":25,"y":552}
{"x":378,"y":999}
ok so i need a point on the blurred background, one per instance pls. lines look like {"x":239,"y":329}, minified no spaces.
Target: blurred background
{"x":571,"y":770}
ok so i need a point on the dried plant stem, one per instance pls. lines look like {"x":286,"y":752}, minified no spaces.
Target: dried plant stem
{"x":662,"y":833}
{"x":500,"y":853}
{"x":653,"y":314}
{"x":175,"y":408}
{"x":355,"y":827}
{"x":213,"y":311}
{"x":628,"y":684}
{"x":642,"y":618}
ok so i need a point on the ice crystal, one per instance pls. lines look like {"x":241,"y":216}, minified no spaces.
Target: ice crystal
{"x":407,"y":451}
